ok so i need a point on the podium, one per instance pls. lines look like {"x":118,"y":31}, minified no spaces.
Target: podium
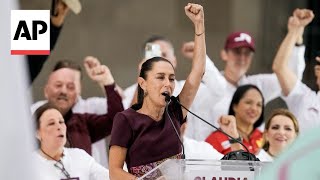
{"x":188,"y":169}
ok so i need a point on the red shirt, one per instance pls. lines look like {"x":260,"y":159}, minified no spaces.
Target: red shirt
{"x":221,"y":142}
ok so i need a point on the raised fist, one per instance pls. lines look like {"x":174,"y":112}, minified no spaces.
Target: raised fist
{"x":304,"y":16}
{"x":194,"y":12}
{"x":228,"y":124}
{"x":97,"y":72}
{"x":187,"y":49}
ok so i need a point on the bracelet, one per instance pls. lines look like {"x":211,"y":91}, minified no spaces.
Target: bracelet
{"x":199,"y":34}
{"x":299,"y":45}
{"x":233,"y":141}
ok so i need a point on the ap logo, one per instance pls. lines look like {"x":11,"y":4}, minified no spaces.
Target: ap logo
{"x":30,"y":32}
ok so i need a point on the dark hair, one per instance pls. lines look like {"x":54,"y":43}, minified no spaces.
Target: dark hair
{"x":37,"y":115}
{"x":154,"y":38}
{"x":145,"y":68}
{"x":276,"y":112}
{"x":39,"y":112}
{"x":238,"y":95}
{"x":65,"y":63}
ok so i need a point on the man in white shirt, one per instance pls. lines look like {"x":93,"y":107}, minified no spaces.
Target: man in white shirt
{"x":301,"y":100}
{"x":238,"y":53}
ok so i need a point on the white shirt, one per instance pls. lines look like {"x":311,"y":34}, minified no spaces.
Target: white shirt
{"x":76,"y":162}
{"x":94,"y":105}
{"x":305,"y":105}
{"x":264,"y":156}
{"x":200,"y":150}
{"x":222,"y":92}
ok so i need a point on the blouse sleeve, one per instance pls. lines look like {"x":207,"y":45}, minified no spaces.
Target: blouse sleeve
{"x":122,"y":133}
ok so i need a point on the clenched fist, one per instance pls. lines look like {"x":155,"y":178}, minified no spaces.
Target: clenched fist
{"x":304,"y":16}
{"x":188,"y":49}
{"x":97,"y":72}
{"x":228,"y":124}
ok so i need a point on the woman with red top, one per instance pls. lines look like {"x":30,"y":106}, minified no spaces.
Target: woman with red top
{"x":247,"y":106}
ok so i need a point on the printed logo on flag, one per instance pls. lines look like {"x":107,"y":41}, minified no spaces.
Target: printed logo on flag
{"x":30,"y":32}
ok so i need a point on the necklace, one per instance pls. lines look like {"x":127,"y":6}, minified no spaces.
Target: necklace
{"x":58,"y":165}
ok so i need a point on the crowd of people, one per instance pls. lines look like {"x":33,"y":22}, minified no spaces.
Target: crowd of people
{"x":139,"y":127}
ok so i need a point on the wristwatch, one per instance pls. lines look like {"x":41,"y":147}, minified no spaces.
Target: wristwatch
{"x":233,"y":141}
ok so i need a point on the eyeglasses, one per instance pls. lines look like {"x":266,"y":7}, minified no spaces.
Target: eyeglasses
{"x":60,"y":166}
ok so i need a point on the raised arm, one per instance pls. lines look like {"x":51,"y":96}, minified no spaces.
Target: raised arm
{"x":190,"y":88}
{"x":100,"y":125}
{"x":285,"y":75}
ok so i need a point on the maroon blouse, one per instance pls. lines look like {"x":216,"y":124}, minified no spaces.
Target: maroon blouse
{"x":148,"y":141}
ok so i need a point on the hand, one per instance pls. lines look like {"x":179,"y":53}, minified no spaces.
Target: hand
{"x":187,"y":49}
{"x":305,"y":16}
{"x":61,"y":9}
{"x":99,"y":73}
{"x":228,"y":124}
{"x":195,"y":13}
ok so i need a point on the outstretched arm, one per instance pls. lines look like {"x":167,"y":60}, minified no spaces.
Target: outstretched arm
{"x":101,"y":125}
{"x":190,"y":88}
{"x":285,"y":75}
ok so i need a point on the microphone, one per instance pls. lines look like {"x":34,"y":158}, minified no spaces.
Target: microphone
{"x":166,"y":95}
{"x":167,"y":99}
{"x":240,"y":155}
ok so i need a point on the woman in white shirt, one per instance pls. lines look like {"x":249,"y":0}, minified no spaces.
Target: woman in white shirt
{"x":281,"y":130}
{"x":53,"y":160}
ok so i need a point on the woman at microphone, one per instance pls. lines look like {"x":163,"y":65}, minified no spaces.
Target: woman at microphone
{"x":143,"y":136}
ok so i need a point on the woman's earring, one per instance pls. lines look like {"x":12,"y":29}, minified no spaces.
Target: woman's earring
{"x":145,"y":93}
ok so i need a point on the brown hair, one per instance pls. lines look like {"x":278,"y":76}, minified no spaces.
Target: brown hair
{"x":39,"y":112}
{"x":283,"y":112}
{"x":65,"y":63}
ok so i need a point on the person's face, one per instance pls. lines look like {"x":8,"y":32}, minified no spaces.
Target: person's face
{"x":317,"y":74}
{"x":238,"y":60}
{"x":52,"y":130}
{"x":249,"y":108}
{"x":61,"y":89}
{"x":167,"y":52}
{"x":159,"y":80}
{"x":281,"y":132}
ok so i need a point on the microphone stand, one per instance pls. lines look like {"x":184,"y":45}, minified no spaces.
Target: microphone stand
{"x":167,"y":99}
{"x":251,"y":157}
